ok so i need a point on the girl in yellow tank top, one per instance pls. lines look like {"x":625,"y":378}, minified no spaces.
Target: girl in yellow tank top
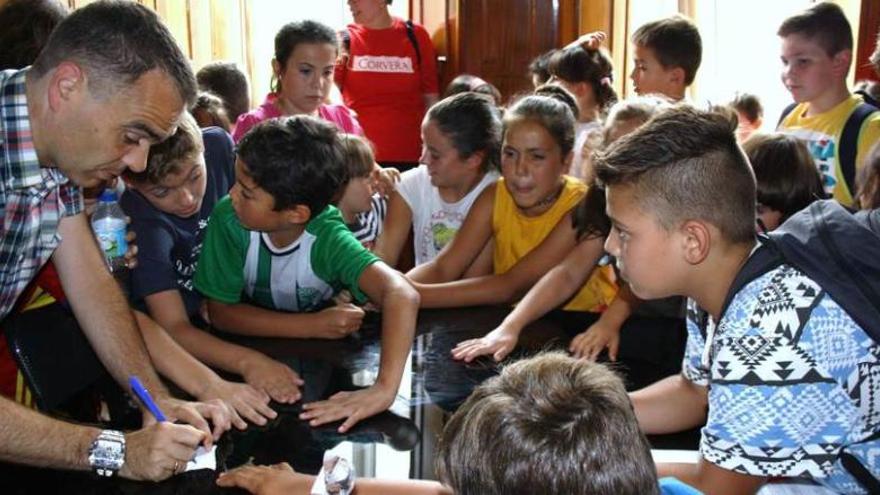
{"x":521,"y":227}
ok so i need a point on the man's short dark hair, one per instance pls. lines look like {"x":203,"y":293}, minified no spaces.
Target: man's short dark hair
{"x":823,"y":23}
{"x":685,"y":164}
{"x":676,"y":42}
{"x":27,"y":25}
{"x":298,"y":160}
{"x":227,"y":81}
{"x":116,"y":42}
{"x":549,"y":424}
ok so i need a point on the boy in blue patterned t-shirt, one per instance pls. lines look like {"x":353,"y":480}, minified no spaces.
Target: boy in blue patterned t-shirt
{"x":276,"y":252}
{"x":789,"y":379}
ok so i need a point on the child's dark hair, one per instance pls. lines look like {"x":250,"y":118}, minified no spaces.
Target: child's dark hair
{"x":210,"y":111}
{"x":166,"y":158}
{"x":539,"y":66}
{"x":548,"y":111}
{"x":675,"y":41}
{"x":576,"y":64}
{"x":749,"y":105}
{"x":550,"y":423}
{"x":868,"y":197}
{"x":298,"y":160}
{"x":473,"y":123}
{"x":226,"y":80}
{"x":294,"y":33}
{"x":785,"y":173}
{"x":684,"y":164}
{"x":561,"y":94}
{"x":469,"y":83}
{"x":358,"y":155}
{"x":27,"y":25}
{"x":823,"y":23}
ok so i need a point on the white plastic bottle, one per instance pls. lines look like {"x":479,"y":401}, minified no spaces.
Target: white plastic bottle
{"x":108,"y":223}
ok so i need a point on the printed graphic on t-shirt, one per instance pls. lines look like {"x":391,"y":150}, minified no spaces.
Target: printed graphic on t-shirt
{"x":383,"y":64}
{"x":441,"y":229}
{"x":823,"y":148}
{"x":185,"y":263}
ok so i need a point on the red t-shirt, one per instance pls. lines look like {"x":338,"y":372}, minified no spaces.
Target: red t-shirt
{"x":384,"y":83}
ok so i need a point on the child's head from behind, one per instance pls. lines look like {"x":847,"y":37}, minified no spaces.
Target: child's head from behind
{"x":627,"y":115}
{"x":586,"y":74}
{"x":679,"y":189}
{"x":288,"y":170}
{"x":228,"y":81}
{"x":461,"y":136}
{"x":464,"y":83}
{"x":175,"y":177}
{"x":539,"y":72}
{"x":816,"y":51}
{"x":305,"y":55}
{"x":536,"y":151}
{"x":210,"y":111}
{"x":786,"y":176}
{"x":545,"y":425}
{"x":667,"y":55}
{"x":750,"y":113}
{"x":360,"y":163}
{"x":868,"y":197}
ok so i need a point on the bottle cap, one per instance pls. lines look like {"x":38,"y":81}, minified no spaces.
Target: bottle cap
{"x":107,"y":196}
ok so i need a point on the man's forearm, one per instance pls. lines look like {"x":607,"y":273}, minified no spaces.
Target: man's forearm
{"x":29,"y":437}
{"x":100,"y":307}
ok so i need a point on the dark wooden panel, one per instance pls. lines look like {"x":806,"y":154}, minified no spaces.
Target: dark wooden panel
{"x":869,"y":24}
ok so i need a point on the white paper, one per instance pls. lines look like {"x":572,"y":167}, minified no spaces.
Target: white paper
{"x":203,"y":459}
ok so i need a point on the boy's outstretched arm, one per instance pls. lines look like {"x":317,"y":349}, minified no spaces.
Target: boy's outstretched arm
{"x":399,"y":301}
{"x":709,"y":478}
{"x":334,"y":322}
{"x":671,"y":405}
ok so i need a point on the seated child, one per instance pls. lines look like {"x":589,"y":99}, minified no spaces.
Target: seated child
{"x":461,"y":136}
{"x":554,"y":425}
{"x":786,"y":177}
{"x":361,"y":208}
{"x":169,"y":204}
{"x":564,"y":280}
{"x":817,"y":47}
{"x":750,"y":114}
{"x":667,"y":54}
{"x":276,"y":252}
{"x":524,"y":219}
{"x":777,"y":352}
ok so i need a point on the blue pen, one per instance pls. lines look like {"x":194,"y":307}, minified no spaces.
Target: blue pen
{"x":145,"y":398}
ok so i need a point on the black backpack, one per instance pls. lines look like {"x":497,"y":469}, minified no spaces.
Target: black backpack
{"x":849,"y":137}
{"x":840,"y":251}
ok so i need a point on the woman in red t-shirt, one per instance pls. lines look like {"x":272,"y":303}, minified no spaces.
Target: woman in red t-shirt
{"x":387,"y":74}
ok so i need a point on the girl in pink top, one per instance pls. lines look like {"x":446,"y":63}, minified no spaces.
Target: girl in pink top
{"x":305,"y":56}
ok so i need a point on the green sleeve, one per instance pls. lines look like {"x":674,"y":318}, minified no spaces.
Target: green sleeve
{"x":220,"y":270}
{"x":337,"y":256}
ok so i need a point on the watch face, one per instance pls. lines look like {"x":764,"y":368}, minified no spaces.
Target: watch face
{"x":107,"y":454}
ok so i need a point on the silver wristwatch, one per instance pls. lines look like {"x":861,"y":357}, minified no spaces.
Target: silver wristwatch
{"x":107,"y":453}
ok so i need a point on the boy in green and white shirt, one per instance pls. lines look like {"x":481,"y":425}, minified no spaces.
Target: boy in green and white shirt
{"x":275,"y":253}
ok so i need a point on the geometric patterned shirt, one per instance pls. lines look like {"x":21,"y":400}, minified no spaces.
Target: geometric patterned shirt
{"x":33,"y":199}
{"x":791,"y":379}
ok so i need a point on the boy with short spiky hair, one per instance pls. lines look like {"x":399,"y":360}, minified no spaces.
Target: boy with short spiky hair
{"x":816,"y":54}
{"x":276,"y":252}
{"x":786,"y":373}
{"x":667,"y":55}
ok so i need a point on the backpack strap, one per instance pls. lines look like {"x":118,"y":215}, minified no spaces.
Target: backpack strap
{"x":785,"y":113}
{"x":849,"y":143}
{"x":411,"y":34}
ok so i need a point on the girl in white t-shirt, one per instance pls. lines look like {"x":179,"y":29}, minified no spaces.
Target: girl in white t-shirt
{"x":461,"y":136}
{"x":586,"y":74}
